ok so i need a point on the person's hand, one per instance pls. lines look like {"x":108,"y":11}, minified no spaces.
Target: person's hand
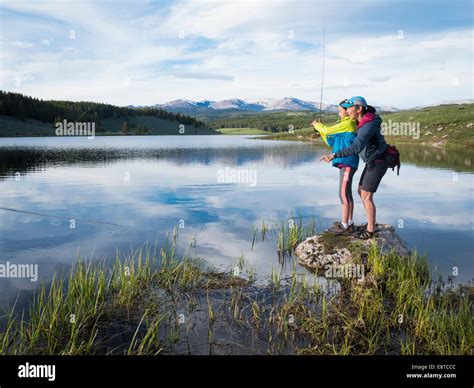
{"x":327,"y":158}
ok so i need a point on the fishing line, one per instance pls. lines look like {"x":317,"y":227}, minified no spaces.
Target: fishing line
{"x":109,"y":224}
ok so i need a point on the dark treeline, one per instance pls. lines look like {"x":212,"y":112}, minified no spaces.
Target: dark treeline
{"x":272,"y":122}
{"x":24,"y":107}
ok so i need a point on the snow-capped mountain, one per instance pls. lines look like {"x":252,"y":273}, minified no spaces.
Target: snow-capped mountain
{"x":386,"y":109}
{"x":179,"y":104}
{"x":267,"y":105}
{"x":235,"y":104}
{"x":452,"y":102}
{"x":261,"y":105}
{"x":287,"y":103}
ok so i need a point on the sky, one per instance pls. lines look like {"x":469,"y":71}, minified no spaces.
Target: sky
{"x":394,"y":53}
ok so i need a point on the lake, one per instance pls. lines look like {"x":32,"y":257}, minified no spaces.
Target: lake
{"x":64,"y":196}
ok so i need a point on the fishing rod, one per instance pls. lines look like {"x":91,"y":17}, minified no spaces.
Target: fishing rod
{"x":322,"y":74}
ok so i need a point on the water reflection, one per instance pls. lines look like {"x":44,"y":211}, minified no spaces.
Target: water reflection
{"x":458,"y":160}
{"x":122,"y":192}
{"x":14,"y":160}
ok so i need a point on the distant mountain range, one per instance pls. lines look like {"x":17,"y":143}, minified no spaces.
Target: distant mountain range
{"x":262,"y":105}
{"x":236,"y":107}
{"x":452,"y":102}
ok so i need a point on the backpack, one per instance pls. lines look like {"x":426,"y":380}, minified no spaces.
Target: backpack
{"x":392,"y":157}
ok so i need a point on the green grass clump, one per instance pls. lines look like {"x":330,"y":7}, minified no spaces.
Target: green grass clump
{"x":66,"y":316}
{"x":396,"y":309}
{"x":303,"y":134}
{"x":242,"y":131}
{"x":289,"y":233}
{"x":451,"y":125}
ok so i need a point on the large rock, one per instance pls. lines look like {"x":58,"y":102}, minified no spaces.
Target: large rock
{"x":317,"y":252}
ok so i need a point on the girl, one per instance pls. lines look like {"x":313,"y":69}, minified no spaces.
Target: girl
{"x":338,"y":137}
{"x":372,"y":147}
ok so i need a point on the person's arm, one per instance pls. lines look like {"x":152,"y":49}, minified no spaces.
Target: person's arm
{"x":325,"y":130}
{"x":363,"y":137}
{"x":330,"y":130}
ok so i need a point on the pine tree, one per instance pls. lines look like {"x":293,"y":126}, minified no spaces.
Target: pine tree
{"x":125,"y":128}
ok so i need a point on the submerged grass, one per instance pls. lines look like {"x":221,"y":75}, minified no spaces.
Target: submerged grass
{"x":160,"y":303}
{"x":288,"y":232}
{"x":66,"y":316}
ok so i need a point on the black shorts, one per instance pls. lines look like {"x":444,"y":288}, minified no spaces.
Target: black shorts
{"x":372,"y":175}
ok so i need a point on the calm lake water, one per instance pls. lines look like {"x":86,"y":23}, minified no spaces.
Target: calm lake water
{"x":122,"y":192}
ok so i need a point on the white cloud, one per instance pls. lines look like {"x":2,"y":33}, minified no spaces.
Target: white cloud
{"x":248,"y":41}
{"x":47,"y":42}
{"x":20,"y":44}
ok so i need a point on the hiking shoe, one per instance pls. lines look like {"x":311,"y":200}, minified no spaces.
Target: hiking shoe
{"x":363,"y":227}
{"x":364,"y":234}
{"x":338,"y":228}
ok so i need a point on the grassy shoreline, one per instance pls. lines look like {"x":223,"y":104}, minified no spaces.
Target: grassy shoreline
{"x":444,"y":126}
{"x":242,"y":131}
{"x":446,"y":156}
{"x":153,"y":302}
{"x":309,"y":135}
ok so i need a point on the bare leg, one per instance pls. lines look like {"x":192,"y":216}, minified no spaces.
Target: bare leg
{"x":369,"y":206}
{"x":345,"y":212}
{"x":345,"y":194}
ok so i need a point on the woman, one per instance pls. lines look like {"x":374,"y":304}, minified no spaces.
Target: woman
{"x":338,"y":137}
{"x":371,"y":146}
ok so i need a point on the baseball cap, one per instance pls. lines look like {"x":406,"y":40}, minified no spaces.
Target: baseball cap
{"x":356,"y":100}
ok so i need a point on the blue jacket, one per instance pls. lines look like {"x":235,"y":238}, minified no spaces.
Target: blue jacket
{"x":369,"y":144}
{"x":338,"y":137}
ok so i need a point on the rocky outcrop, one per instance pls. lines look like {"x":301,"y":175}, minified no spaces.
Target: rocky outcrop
{"x":318,"y":252}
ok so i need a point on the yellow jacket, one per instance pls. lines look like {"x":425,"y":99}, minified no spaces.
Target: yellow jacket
{"x":338,"y":137}
{"x":344,"y":125}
